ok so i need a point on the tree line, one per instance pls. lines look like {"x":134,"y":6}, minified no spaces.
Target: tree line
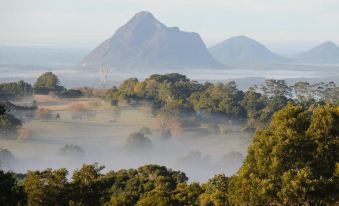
{"x":15,"y":89}
{"x":294,"y":161}
{"x":45,"y":84}
{"x":176,"y":94}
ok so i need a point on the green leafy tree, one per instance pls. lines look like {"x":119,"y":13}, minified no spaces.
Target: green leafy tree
{"x":157,"y":197}
{"x":274,"y":88}
{"x":215,"y":192}
{"x":47,"y":82}
{"x":89,"y":186}
{"x":126,"y":89}
{"x":253,"y":103}
{"x":188,"y":194}
{"x":10,"y":192}
{"x":169,"y":78}
{"x":292,"y":162}
{"x":19,"y":87}
{"x":112,"y":96}
{"x":48,"y":187}
{"x":219,"y":98}
{"x":123,"y":199}
{"x":147,"y":183}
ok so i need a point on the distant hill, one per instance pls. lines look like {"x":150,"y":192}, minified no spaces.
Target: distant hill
{"x":327,"y":53}
{"x":145,"y":43}
{"x":240,"y":50}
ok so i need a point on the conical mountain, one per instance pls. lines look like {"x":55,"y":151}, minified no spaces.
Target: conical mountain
{"x":241,"y":50}
{"x":327,"y":52}
{"x":145,"y":43}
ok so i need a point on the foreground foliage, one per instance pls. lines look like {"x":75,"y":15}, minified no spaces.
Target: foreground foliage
{"x":295,"y":161}
{"x":292,"y":162}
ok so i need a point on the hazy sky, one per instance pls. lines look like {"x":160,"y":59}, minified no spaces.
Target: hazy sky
{"x":284,"y":26}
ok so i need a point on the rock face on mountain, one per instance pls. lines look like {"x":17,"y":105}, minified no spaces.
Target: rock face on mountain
{"x":241,"y":50}
{"x":145,"y":43}
{"x":326,"y":53}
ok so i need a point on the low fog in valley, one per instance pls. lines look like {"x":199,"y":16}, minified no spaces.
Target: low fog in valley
{"x":169,"y":103}
{"x":68,"y":133}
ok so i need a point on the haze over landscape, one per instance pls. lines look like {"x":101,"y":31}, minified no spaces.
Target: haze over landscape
{"x":178,"y":103}
{"x":144,"y":45}
{"x":144,"y":42}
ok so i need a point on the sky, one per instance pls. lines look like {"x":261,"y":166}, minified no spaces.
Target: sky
{"x":284,"y":26}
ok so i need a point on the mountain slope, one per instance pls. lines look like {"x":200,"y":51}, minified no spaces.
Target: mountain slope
{"x":241,"y":50}
{"x":327,"y":52}
{"x":145,"y":43}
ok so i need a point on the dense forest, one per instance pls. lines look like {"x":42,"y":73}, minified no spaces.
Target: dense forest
{"x":176,"y":94}
{"x":293,"y":159}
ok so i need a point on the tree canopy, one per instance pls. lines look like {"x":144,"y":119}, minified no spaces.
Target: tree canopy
{"x":47,"y":82}
{"x":293,"y":161}
{"x":19,"y":87}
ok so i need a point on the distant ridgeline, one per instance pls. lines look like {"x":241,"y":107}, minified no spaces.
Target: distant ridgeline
{"x":176,"y":94}
{"x":146,"y":43}
{"x":294,"y":161}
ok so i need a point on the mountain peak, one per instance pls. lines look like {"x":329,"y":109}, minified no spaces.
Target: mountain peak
{"x":242,"y":50}
{"x":328,"y":44}
{"x":143,"y":14}
{"x":144,"y":42}
{"x":327,"y":52}
{"x":144,"y":18}
{"x":240,"y":37}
